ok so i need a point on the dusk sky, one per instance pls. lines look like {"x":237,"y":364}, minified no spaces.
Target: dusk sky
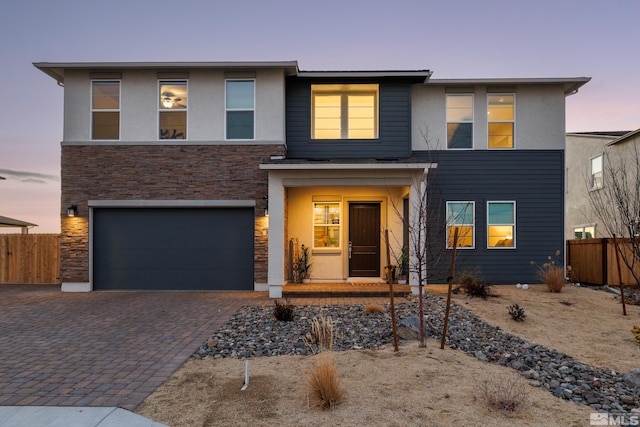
{"x":461,"y":39}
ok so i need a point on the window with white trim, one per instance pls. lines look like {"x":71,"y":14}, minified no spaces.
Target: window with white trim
{"x":459,"y":121}
{"x":461,"y":216}
{"x":172,"y":109}
{"x":501,"y":224}
{"x":344,"y":111}
{"x":105,"y":110}
{"x":240,"y":109}
{"x":586,"y":232}
{"x":501,"y":120}
{"x":596,"y":173}
{"x":326,"y":225}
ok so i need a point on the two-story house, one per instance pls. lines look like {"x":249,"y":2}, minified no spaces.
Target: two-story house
{"x":203,"y":175}
{"x":590,"y":155}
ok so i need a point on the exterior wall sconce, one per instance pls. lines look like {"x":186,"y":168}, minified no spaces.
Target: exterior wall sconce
{"x":72,"y":211}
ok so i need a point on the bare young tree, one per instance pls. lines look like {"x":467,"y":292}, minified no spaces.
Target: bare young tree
{"x":616,"y":203}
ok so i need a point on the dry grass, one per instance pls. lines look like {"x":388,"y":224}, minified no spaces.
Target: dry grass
{"x":505,"y":393}
{"x":374,"y":308}
{"x":325,"y":389}
{"x":283,"y":311}
{"x":552,"y":276}
{"x":321,"y":335}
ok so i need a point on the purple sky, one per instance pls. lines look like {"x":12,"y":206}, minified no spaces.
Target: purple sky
{"x":466,"y":38}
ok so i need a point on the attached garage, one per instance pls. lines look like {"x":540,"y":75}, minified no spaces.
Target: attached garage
{"x":165,"y":248}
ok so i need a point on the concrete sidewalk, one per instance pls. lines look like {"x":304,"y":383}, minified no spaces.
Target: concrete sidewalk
{"x":57,"y":416}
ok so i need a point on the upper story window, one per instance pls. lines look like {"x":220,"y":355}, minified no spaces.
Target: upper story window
{"x":344,"y":111}
{"x":501,"y":118}
{"x":461,"y":215}
{"x":586,"y":232}
{"x":596,"y":173}
{"x":172,"y":106}
{"x":459,"y":121}
{"x":105,"y":110}
{"x":240,"y":109}
{"x":501,"y":224}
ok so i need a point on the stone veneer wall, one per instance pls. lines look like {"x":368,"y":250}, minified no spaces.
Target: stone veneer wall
{"x":158,"y":172}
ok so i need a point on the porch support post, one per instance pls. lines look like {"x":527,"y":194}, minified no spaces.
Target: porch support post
{"x":276,"y":265}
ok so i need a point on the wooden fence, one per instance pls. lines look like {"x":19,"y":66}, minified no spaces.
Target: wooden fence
{"x":594,"y":262}
{"x":29,"y":258}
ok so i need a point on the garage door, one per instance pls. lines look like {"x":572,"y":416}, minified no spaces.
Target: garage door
{"x":173,"y":248}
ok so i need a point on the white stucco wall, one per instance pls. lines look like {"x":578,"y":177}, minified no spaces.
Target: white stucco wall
{"x":206,"y":106}
{"x":540,"y":116}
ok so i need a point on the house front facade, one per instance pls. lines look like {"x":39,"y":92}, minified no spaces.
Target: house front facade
{"x":214,"y":175}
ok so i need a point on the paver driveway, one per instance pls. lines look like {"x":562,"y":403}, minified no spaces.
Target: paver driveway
{"x":101,"y":348}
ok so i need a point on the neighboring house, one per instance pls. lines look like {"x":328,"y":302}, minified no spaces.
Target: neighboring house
{"x":170,"y":170}
{"x":588,"y":155}
{"x":16,"y":223}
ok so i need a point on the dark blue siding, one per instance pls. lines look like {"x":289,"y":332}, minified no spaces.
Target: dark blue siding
{"x":534,"y":179}
{"x":394,"y":124}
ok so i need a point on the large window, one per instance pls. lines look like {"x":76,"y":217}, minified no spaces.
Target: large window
{"x":326,"y":225}
{"x":501,"y":224}
{"x":172,"y":105}
{"x":596,"y":173}
{"x":105,"y":110}
{"x":344,"y":111}
{"x":501,"y":118}
{"x":240,"y":109}
{"x":459,"y":121}
{"x":461,"y":216}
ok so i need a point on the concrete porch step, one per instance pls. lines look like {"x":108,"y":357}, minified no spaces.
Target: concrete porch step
{"x":345,"y":290}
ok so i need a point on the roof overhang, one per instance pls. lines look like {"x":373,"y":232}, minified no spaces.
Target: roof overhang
{"x":421,"y":76}
{"x":315,"y":166}
{"x":570,"y":84}
{"x":10,"y":222}
{"x":56,"y":70}
{"x":625,"y":137}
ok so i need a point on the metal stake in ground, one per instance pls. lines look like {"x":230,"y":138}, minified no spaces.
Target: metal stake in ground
{"x":450,"y":283}
{"x":624,"y":306}
{"x":390,"y":282}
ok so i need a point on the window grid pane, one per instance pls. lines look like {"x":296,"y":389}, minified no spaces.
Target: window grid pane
{"x":326,"y":225}
{"x":344,"y":111}
{"x":459,"y":121}
{"x":240,"y":109}
{"x":501,"y":117}
{"x":105,"y":106}
{"x":460,"y":215}
{"x":501,"y":225}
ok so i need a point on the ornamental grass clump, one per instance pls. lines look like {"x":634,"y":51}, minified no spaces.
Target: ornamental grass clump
{"x":473,"y":285}
{"x":505,"y":393}
{"x":636,"y":333}
{"x":321,"y":335}
{"x":374,"y":308}
{"x":283,"y":312}
{"x":324,"y":385}
{"x":551,"y":274}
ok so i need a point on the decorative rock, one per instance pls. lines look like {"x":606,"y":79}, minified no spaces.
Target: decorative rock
{"x":409,"y":327}
{"x":632,"y":378}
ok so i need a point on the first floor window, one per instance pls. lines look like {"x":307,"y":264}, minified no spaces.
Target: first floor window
{"x":240,"y":109}
{"x":596,"y":173}
{"x":587,"y":232}
{"x":501,"y":224}
{"x":105,"y":110}
{"x":461,"y":216}
{"x":459,"y":121}
{"x":326,"y":225}
{"x":172,"y":105}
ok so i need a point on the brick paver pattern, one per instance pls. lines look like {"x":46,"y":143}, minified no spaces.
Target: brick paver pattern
{"x":107,"y":348}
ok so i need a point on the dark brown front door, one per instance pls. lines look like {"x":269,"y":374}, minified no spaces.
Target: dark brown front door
{"x":364,"y":239}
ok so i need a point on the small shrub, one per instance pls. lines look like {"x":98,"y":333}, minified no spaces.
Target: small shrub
{"x":325,"y":388}
{"x":517,"y":312}
{"x":636,"y":332}
{"x":374,"y":308}
{"x":283,"y":312}
{"x":505,"y":393}
{"x":473,"y":285}
{"x":551,"y":274}
{"x":321,"y":335}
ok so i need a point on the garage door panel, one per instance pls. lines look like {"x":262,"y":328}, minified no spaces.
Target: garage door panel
{"x":173,"y":249}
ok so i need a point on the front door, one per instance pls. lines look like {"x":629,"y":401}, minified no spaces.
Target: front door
{"x":364,"y":239}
